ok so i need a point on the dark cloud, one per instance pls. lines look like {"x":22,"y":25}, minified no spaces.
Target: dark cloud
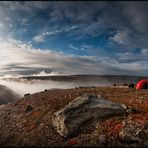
{"x":24,"y":59}
{"x":136,"y":12}
{"x":94,"y":16}
{"x":122,"y":24}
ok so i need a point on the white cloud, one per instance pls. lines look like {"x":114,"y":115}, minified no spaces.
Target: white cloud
{"x":7,"y":18}
{"x":39,"y":39}
{"x":15,"y":55}
{"x":18,"y":57}
{"x":10,"y":25}
{"x":82,"y":47}
{"x":144,"y":51}
{"x":43,"y":73}
{"x":73,"y":47}
{"x":134,"y":57}
{"x":121,"y":37}
{"x":42,"y":37}
{"x":25,"y":30}
{"x":24,"y":22}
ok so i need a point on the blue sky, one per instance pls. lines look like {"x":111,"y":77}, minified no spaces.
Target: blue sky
{"x":74,"y":37}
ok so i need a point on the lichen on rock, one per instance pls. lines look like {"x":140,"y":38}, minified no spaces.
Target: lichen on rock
{"x":68,"y":120}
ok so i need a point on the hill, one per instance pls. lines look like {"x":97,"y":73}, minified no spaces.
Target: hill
{"x":7,"y":95}
{"x":27,"y":122}
{"x":119,"y":79}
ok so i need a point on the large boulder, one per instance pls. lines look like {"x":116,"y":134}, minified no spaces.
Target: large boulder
{"x":82,"y":109}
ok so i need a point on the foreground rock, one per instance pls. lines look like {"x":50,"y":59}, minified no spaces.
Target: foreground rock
{"x":68,"y":120}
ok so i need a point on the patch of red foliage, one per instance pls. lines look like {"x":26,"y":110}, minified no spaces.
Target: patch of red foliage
{"x":139,"y":118}
{"x":29,"y":126}
{"x":32,"y":126}
{"x":72,"y":141}
{"x":36,"y":114}
{"x":112,"y":126}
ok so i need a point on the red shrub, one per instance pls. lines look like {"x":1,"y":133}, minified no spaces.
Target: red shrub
{"x":72,"y":141}
{"x":36,"y":114}
{"x":112,"y":126}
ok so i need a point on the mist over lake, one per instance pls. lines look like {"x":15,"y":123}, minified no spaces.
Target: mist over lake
{"x":33,"y":84}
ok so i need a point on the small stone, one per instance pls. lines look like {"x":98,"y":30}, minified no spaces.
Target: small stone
{"x":42,"y":124}
{"x":28,"y":108}
{"x":102,"y":139}
{"x":26,"y":95}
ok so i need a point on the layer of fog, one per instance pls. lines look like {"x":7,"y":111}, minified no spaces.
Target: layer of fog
{"x":40,"y":73}
{"x":23,"y":86}
{"x":43,"y":73}
{"x":33,"y":86}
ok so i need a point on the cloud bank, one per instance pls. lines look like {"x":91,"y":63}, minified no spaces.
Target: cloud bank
{"x":53,"y":73}
{"x":73,"y":37}
{"x":23,"y":59}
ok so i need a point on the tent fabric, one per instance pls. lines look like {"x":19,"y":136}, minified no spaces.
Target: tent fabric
{"x":142,"y":84}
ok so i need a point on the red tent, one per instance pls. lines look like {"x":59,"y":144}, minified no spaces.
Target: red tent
{"x":142,"y":84}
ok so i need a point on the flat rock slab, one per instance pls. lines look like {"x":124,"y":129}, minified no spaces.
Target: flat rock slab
{"x":68,"y":120}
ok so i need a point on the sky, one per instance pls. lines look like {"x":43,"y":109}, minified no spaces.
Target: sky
{"x":75,"y":37}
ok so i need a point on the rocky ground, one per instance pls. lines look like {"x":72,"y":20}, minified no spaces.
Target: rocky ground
{"x":28,"y":121}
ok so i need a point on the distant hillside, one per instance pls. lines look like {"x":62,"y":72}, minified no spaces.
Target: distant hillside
{"x":87,"y":78}
{"x":7,"y":95}
{"x":94,"y":79}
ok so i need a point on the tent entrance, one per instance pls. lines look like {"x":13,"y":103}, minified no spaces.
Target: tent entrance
{"x":145,"y":86}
